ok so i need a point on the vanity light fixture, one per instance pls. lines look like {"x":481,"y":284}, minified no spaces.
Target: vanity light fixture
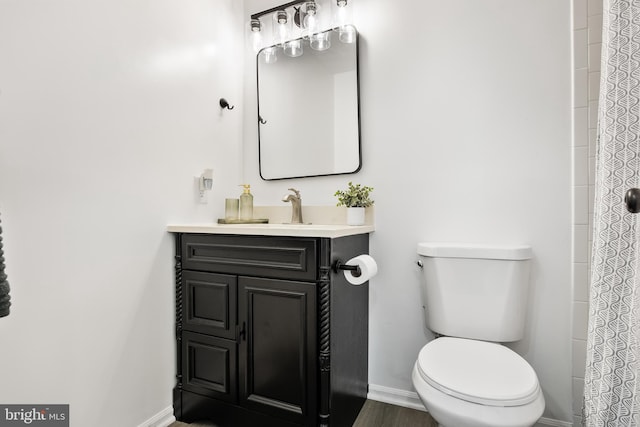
{"x":301,"y":22}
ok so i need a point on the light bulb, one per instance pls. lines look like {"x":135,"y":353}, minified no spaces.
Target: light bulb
{"x":341,"y":16}
{"x":255,"y":28}
{"x":343,"y":21}
{"x":310,"y":21}
{"x":281,"y":26}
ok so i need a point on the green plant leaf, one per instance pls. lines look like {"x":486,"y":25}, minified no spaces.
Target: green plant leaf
{"x":355,"y":196}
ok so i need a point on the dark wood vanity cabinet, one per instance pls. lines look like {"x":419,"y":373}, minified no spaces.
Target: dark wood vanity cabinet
{"x":267,"y":333}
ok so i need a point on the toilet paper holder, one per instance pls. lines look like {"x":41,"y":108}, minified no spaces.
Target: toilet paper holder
{"x":339,"y":265}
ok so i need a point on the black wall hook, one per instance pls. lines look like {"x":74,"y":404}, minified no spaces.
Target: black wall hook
{"x":225,"y":104}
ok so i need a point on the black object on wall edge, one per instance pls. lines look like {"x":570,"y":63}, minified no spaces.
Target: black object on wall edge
{"x":632,"y":200}
{"x":5,"y":299}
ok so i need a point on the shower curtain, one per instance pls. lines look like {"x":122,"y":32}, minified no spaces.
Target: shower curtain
{"x":4,"y":285}
{"x":612,"y":375}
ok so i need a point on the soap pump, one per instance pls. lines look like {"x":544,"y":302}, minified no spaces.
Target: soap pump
{"x":246,"y":203}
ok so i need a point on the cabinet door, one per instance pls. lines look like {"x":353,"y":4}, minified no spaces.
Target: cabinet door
{"x":210,"y":303}
{"x":209,"y":366}
{"x":278,"y":351}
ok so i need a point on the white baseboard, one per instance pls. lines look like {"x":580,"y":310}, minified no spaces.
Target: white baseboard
{"x":163,"y":418}
{"x":410,"y":399}
{"x":394,"y":396}
{"x":551,"y":422}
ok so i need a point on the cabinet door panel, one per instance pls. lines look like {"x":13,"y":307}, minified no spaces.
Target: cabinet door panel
{"x":210,"y":303}
{"x":209,"y":366}
{"x":278,"y":352}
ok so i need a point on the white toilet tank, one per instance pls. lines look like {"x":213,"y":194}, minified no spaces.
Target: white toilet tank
{"x":475,"y":291}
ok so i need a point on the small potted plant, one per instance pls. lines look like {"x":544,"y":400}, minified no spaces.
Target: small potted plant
{"x":355,"y":198}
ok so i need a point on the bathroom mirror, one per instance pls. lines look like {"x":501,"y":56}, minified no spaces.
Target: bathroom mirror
{"x":308,"y":111}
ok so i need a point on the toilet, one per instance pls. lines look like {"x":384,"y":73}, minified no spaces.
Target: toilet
{"x":475,"y":298}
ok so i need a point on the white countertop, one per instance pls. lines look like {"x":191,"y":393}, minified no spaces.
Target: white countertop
{"x":295,"y":230}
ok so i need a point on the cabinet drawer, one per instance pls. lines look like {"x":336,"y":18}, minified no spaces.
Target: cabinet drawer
{"x":210,"y":303}
{"x":274,"y":257}
{"x":209,"y":366}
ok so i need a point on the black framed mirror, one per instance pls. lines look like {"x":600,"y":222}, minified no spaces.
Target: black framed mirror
{"x":308,"y":110}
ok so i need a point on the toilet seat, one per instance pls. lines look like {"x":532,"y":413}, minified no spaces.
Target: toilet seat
{"x":477,"y":371}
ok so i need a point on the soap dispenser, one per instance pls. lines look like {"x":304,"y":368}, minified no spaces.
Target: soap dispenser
{"x":246,"y":203}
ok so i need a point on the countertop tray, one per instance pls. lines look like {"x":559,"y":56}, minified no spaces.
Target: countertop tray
{"x":243,"y":221}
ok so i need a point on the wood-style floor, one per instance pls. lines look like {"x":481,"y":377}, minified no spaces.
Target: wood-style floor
{"x":373,"y":414}
{"x":378,"y":414}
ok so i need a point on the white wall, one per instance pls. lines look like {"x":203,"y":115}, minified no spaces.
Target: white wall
{"x":466,"y":132}
{"x":108,"y":109}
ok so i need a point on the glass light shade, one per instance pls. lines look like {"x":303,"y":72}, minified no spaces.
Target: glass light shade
{"x":255,"y":34}
{"x":320,"y":41}
{"x":281,"y":26}
{"x":343,"y":20}
{"x":269,"y":55}
{"x":341,"y":15}
{"x":310,"y":21}
{"x":293,"y":48}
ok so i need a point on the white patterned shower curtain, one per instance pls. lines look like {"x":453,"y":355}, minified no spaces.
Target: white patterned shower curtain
{"x":5,"y":299}
{"x":612,"y":376}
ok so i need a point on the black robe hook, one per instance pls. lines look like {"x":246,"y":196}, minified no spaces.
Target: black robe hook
{"x":225,"y":104}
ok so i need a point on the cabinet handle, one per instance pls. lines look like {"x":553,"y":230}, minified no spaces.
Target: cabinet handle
{"x":632,"y":200}
{"x":242,"y":333}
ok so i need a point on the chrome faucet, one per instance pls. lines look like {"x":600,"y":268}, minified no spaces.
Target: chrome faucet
{"x":296,"y":205}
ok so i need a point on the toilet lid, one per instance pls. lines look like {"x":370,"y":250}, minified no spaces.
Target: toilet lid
{"x":478,"y":371}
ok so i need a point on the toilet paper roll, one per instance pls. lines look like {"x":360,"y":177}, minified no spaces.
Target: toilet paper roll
{"x":368,"y":269}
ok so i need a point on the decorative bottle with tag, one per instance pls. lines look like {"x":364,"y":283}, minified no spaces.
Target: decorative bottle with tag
{"x":246,"y":203}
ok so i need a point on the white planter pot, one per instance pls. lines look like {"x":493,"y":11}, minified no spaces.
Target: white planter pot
{"x":355,"y":216}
